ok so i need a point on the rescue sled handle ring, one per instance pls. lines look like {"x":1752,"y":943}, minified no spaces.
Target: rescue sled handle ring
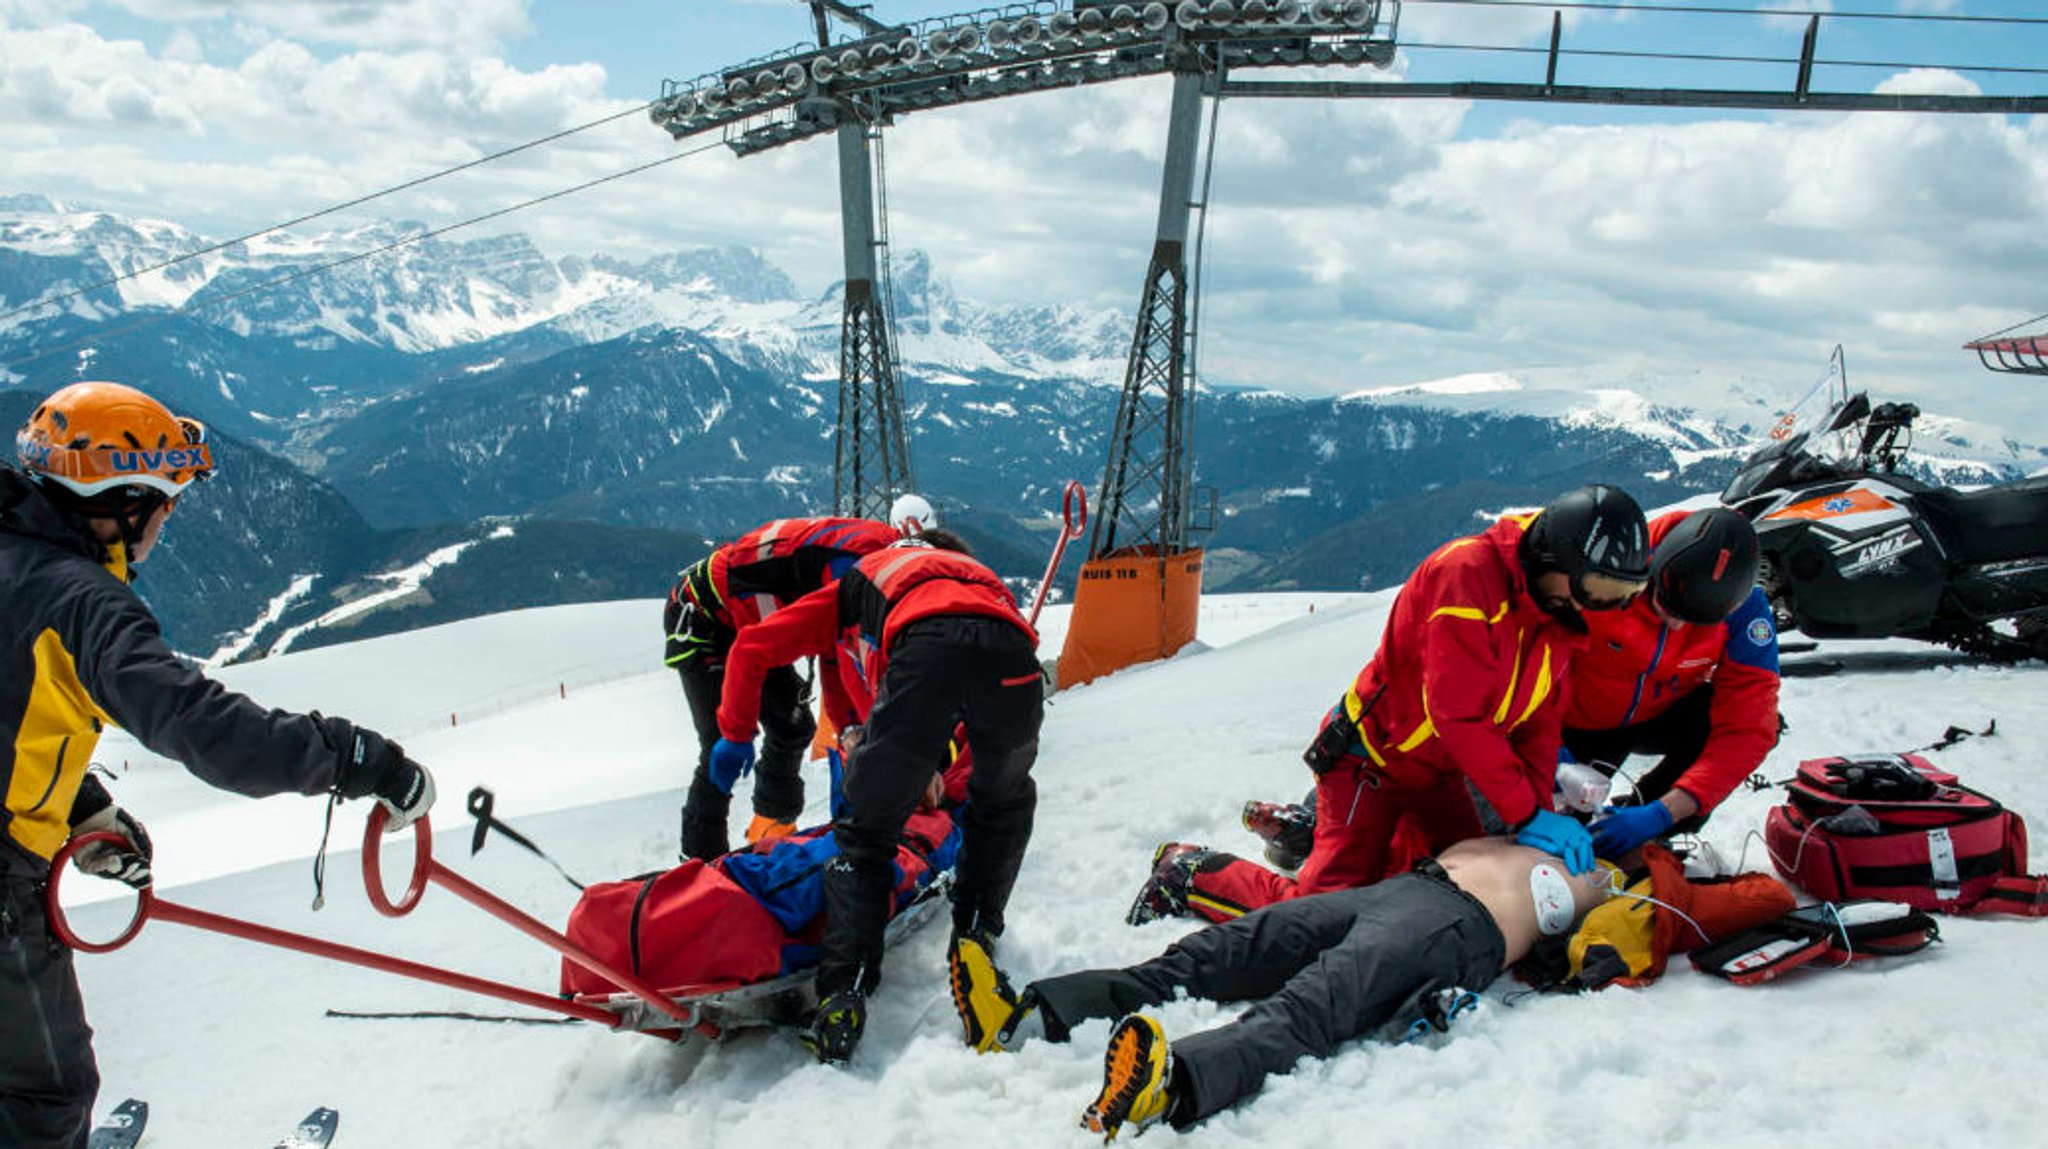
{"x":148,"y":905}
{"x":425,"y":869}
{"x":145,"y":898}
{"x":1074,"y":509}
{"x":373,"y":863}
{"x":1073,"y":521}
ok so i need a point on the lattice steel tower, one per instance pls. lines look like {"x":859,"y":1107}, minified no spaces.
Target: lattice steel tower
{"x":871,"y":464}
{"x":1144,"y":498}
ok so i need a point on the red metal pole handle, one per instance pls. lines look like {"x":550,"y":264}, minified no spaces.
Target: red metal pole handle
{"x":1074,"y":508}
{"x":373,"y":863}
{"x":145,"y":898}
{"x":425,"y":869}
{"x":1073,"y":520}
{"x":148,"y":905}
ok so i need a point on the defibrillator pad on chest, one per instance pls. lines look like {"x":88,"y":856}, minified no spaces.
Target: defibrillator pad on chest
{"x":1554,"y":906}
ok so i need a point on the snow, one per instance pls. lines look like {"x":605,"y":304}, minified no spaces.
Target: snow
{"x":568,"y":716}
{"x":241,"y":641}
{"x":1479,"y":383}
{"x":398,"y":584}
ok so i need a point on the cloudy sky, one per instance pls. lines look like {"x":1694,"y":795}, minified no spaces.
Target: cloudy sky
{"x":1351,"y":244}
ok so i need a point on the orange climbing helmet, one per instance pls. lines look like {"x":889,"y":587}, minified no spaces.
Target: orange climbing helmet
{"x":106,"y":440}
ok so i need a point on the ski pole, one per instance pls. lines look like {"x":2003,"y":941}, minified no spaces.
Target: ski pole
{"x":481,"y":804}
{"x":1073,"y":520}
{"x":148,"y":905}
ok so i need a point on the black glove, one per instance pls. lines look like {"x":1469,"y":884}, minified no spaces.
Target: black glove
{"x":362,"y":757}
{"x":695,"y":636}
{"x":107,"y":860}
{"x":370,"y":763}
{"x":406,"y":793}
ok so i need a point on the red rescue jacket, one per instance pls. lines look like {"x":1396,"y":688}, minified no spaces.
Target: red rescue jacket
{"x":855,"y":622}
{"x":1636,"y":666}
{"x":1467,"y":677}
{"x":781,"y":561}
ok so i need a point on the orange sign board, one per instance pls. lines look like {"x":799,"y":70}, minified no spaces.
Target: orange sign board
{"x":1130,"y":608}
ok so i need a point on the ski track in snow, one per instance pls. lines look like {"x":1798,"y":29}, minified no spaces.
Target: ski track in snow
{"x":228,"y":1041}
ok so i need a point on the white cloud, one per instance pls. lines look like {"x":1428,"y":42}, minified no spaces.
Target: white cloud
{"x":461,"y":26}
{"x":1350,"y":243}
{"x":283,"y":127}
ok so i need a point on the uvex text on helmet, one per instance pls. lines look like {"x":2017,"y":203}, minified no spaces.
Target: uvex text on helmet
{"x":107,"y":440}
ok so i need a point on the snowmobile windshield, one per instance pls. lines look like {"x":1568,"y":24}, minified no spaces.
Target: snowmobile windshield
{"x":1818,"y":437}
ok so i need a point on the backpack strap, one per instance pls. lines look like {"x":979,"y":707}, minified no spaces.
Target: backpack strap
{"x":2025,"y":897}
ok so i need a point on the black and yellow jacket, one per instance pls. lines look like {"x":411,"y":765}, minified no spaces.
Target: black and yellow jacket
{"x":79,"y":650}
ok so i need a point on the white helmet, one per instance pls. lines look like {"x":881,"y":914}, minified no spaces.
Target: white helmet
{"x":911,"y":514}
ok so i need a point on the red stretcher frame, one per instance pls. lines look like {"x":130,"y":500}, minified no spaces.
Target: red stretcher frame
{"x":677,"y":1017}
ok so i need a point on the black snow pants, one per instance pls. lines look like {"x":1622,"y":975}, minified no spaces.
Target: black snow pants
{"x":1319,"y":970}
{"x":48,"y":1077}
{"x":786,"y":729}
{"x":943,"y":671}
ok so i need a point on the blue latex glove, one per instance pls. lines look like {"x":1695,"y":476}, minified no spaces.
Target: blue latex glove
{"x":1553,"y":833}
{"x":1623,"y":828}
{"x":729,"y":762}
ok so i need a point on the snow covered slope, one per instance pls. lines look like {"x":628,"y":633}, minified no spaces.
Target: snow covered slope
{"x":229,"y":1042}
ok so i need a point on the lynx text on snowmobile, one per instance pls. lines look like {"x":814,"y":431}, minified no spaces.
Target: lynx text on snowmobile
{"x":1853,"y":548}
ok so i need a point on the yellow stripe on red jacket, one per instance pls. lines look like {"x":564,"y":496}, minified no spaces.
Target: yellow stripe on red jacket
{"x":1467,"y":676}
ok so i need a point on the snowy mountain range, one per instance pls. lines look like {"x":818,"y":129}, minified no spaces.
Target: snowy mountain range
{"x":376,"y":287}
{"x":618,"y":414}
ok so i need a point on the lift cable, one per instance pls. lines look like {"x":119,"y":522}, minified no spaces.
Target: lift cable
{"x":2013,"y":328}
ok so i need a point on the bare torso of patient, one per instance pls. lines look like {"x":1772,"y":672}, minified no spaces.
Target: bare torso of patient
{"x":1524,"y":888}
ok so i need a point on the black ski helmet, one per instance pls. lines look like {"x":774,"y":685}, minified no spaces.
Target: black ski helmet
{"x":1705,"y":566}
{"x":1595,"y":535}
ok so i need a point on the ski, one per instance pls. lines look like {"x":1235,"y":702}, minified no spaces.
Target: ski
{"x":315,"y":1130}
{"x":122,"y":1128}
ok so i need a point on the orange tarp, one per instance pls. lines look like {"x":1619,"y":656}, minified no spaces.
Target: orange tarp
{"x":1131,"y":606}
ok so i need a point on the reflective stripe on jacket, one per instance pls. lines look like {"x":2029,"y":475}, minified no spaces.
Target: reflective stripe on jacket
{"x":855,"y":622}
{"x":1467,"y":677}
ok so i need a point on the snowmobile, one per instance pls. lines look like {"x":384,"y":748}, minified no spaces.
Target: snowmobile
{"x":1854,"y":548}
